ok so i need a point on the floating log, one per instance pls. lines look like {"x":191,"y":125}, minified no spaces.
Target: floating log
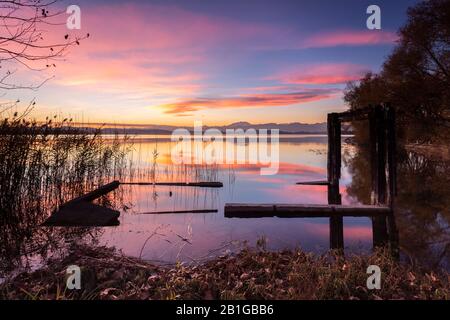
{"x":182,"y":211}
{"x":242,"y":210}
{"x":313,"y":183}
{"x":213,"y":184}
{"x":97,"y":193}
{"x":83,"y":214}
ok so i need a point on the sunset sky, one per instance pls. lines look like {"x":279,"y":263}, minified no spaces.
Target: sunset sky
{"x":219,"y":61}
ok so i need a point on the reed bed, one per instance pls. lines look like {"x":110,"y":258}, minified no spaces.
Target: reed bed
{"x":42,"y":165}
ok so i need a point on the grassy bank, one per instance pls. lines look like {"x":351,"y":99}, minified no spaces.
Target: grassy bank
{"x":107,"y":274}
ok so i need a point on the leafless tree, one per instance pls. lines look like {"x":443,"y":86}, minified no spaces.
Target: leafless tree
{"x":29,"y":39}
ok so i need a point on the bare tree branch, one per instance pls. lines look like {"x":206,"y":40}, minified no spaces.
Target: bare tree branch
{"x":22,"y":39}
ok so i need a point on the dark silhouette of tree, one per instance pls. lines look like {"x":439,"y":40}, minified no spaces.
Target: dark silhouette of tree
{"x":415,"y":78}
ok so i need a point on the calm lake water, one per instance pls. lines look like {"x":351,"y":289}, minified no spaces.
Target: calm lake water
{"x":197,"y":236}
{"x":422,"y":210}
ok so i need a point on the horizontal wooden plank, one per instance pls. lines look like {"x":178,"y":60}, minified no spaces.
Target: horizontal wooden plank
{"x":182,"y":211}
{"x":97,"y":193}
{"x":243,"y":210}
{"x":212,"y":184}
{"x":313,"y":183}
{"x":354,"y":115}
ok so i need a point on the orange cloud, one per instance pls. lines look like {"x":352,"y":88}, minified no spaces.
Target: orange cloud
{"x":248,"y":101}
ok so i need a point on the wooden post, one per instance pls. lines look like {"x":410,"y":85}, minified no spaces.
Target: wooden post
{"x":334,"y":174}
{"x":381,"y":155}
{"x":392,"y":178}
{"x":391,"y":153}
{"x":377,"y":137}
{"x":334,"y":148}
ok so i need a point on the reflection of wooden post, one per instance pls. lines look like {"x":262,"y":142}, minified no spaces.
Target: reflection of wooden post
{"x":334,"y":174}
{"x":377,"y":139}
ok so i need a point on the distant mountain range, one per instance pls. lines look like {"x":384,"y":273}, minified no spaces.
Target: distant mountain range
{"x":285,"y":128}
{"x":294,"y":127}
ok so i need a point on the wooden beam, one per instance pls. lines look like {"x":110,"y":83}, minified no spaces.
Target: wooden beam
{"x":242,"y":210}
{"x":313,"y":183}
{"x":80,"y":212}
{"x":354,"y":115}
{"x":182,"y":211}
{"x":97,"y":193}
{"x":212,"y":184}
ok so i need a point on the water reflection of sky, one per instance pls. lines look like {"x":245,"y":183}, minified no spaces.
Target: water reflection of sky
{"x":187,"y":237}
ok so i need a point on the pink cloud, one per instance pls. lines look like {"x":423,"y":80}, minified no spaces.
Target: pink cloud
{"x":327,"y":73}
{"x":248,"y":101}
{"x":127,"y":29}
{"x":150,"y":51}
{"x":350,"y":38}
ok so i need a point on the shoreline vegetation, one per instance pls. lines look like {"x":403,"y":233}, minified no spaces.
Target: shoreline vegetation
{"x":251,"y":274}
{"x":39,"y":171}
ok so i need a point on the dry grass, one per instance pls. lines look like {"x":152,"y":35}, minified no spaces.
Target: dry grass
{"x":107,"y":274}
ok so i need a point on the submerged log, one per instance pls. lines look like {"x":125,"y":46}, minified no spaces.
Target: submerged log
{"x":241,"y":210}
{"x":182,"y":211}
{"x":212,"y":184}
{"x":80,"y":212}
{"x":313,"y":183}
{"x":97,"y":193}
{"x":83,"y":214}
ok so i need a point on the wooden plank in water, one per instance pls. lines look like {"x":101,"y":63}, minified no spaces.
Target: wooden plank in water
{"x":212,"y":184}
{"x":182,"y":211}
{"x":242,"y":210}
{"x":313,"y":183}
{"x":83,"y":214}
{"x":80,"y":212}
{"x":97,"y":193}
